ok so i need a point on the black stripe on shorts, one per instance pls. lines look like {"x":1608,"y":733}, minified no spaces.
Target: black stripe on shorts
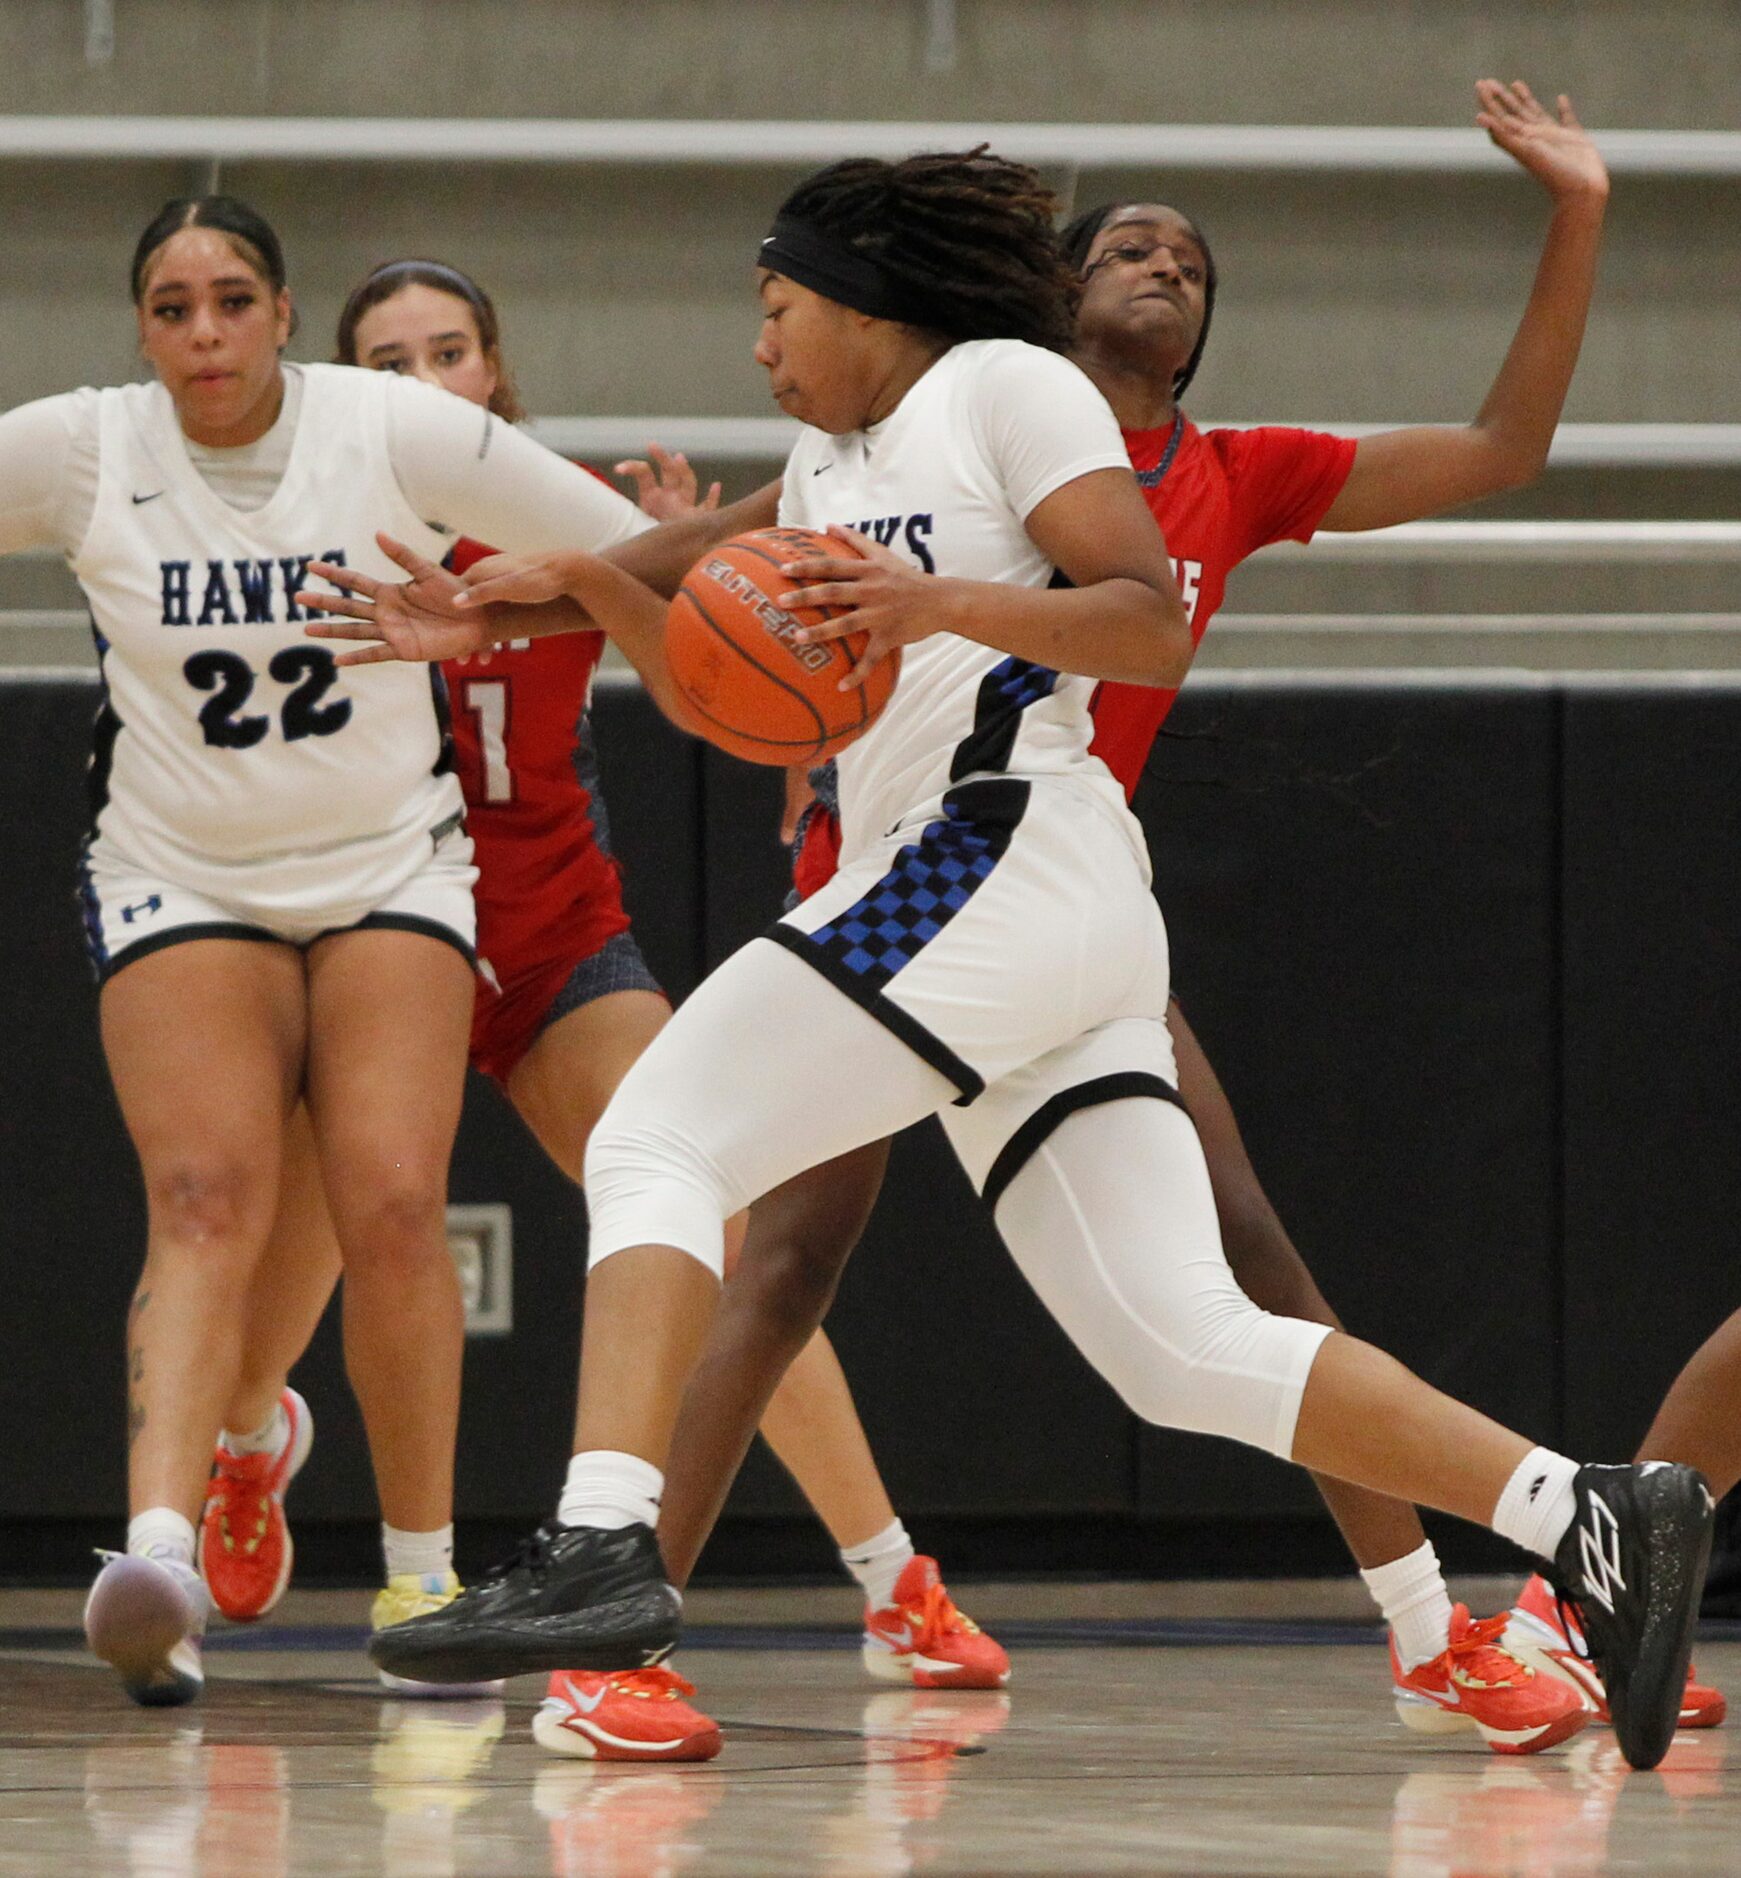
{"x":1033,"y":1134}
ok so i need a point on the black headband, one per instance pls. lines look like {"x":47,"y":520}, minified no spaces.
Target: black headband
{"x":800,"y":251}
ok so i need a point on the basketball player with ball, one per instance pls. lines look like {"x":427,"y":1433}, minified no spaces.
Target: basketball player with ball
{"x":566,"y":1004}
{"x":989,"y":953}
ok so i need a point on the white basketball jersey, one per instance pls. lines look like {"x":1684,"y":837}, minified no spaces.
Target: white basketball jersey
{"x":229,"y":738}
{"x":946,"y":481}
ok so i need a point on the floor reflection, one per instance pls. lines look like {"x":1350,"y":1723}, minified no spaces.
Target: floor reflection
{"x":1553,"y":1815}
{"x":426,"y":1765}
{"x":177,"y":1808}
{"x":914,"y":1743}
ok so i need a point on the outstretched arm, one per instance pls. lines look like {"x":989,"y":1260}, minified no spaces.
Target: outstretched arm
{"x":1402,"y":475}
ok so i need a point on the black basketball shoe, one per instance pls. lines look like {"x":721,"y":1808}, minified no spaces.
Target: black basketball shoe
{"x":572,"y":1597}
{"x":1633,"y":1561}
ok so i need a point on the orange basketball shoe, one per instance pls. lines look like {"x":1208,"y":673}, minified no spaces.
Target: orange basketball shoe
{"x":922,"y":1639}
{"x":623,"y":1715}
{"x":245,"y":1549}
{"x":1543,"y":1630}
{"x":1475,"y":1682}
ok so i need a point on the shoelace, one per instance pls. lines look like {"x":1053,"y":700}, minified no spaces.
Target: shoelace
{"x":1483,"y":1638}
{"x":532,"y":1555}
{"x":232,"y":1488}
{"x":939,"y":1616}
{"x":658,"y":1683}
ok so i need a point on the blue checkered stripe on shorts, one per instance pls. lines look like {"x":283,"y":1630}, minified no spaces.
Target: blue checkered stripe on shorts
{"x":1005,"y":692}
{"x":932,"y":879}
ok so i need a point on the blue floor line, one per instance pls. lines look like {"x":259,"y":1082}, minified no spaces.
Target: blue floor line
{"x":1055,"y":1633}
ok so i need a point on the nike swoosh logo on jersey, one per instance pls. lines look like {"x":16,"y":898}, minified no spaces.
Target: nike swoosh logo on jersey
{"x":822,"y":469}
{"x":150,"y":498}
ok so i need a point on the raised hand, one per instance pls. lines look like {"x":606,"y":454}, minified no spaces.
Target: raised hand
{"x":665,"y":488}
{"x":1555,"y":149}
{"x":415,"y":620}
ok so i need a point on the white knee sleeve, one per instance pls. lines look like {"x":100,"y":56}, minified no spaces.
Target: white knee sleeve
{"x":646,"y":1184}
{"x":767,"y":1070}
{"x":1113,"y":1222}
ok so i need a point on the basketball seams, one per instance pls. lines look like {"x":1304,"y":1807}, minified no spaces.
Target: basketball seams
{"x":727,"y":614}
{"x":744,"y":544}
{"x":749,"y":658}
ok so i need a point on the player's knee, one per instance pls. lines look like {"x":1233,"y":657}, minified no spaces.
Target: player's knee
{"x":394,"y":1215}
{"x":208,"y":1203}
{"x":648,"y":1183}
{"x":791,"y":1279}
{"x":1208,"y":1376}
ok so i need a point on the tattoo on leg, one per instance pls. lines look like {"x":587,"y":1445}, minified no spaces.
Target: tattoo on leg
{"x":135,"y":1370}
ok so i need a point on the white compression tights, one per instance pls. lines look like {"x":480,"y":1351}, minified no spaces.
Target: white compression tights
{"x":1113,"y":1223}
{"x":768,"y":1070}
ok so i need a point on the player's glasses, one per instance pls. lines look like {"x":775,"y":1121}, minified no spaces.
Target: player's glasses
{"x":1140,"y":254}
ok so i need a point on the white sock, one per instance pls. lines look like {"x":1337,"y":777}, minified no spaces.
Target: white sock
{"x":271,"y":1437}
{"x":610,"y":1489}
{"x":417,"y":1554}
{"x":878,"y":1563}
{"x":161,"y":1533}
{"x":1411,"y":1593}
{"x":1538,"y":1504}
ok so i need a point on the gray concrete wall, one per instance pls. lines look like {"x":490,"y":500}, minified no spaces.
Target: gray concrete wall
{"x":1641,"y":62}
{"x":628,"y":290}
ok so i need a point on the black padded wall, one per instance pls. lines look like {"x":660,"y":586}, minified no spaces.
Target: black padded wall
{"x":1359,"y":887}
{"x":1464,"y":958}
{"x":1652,"y":1109}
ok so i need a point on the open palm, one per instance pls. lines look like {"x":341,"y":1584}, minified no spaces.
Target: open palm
{"x":415,"y":620}
{"x":1554,"y":147}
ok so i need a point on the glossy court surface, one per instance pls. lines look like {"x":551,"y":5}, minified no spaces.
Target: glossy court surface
{"x":1138,"y":1736}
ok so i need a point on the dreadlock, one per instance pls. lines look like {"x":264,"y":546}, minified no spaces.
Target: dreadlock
{"x":965,"y":239}
{"x":1078,"y":238}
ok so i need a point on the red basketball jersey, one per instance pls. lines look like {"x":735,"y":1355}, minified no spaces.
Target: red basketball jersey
{"x":1218,"y":495}
{"x":1223,"y":495}
{"x":546,"y":879}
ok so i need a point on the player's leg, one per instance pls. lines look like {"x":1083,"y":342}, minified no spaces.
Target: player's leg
{"x":1274,"y":1276}
{"x":686,"y":1142}
{"x":292,"y":1286}
{"x":1105,"y":1202}
{"x":204,"y":1042}
{"x":800,"y":1236}
{"x":1697,"y":1425}
{"x":389,"y":1015}
{"x":246,"y":1550}
{"x":1397,"y":1561}
{"x":1699,"y":1422}
{"x":560,"y":1087}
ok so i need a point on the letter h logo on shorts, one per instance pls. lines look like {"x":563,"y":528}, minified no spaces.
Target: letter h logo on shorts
{"x":142,"y":909}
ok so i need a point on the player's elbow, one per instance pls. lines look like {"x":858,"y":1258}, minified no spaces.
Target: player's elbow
{"x":1167,"y":645}
{"x":1512,"y":462}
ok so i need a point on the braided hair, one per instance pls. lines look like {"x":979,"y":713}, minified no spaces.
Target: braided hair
{"x":965,"y":238}
{"x":1077,"y":240}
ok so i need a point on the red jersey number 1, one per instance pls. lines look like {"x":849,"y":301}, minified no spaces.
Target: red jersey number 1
{"x":487,"y":701}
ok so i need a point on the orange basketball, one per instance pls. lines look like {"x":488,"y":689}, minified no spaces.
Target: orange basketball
{"x":731,"y":648}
